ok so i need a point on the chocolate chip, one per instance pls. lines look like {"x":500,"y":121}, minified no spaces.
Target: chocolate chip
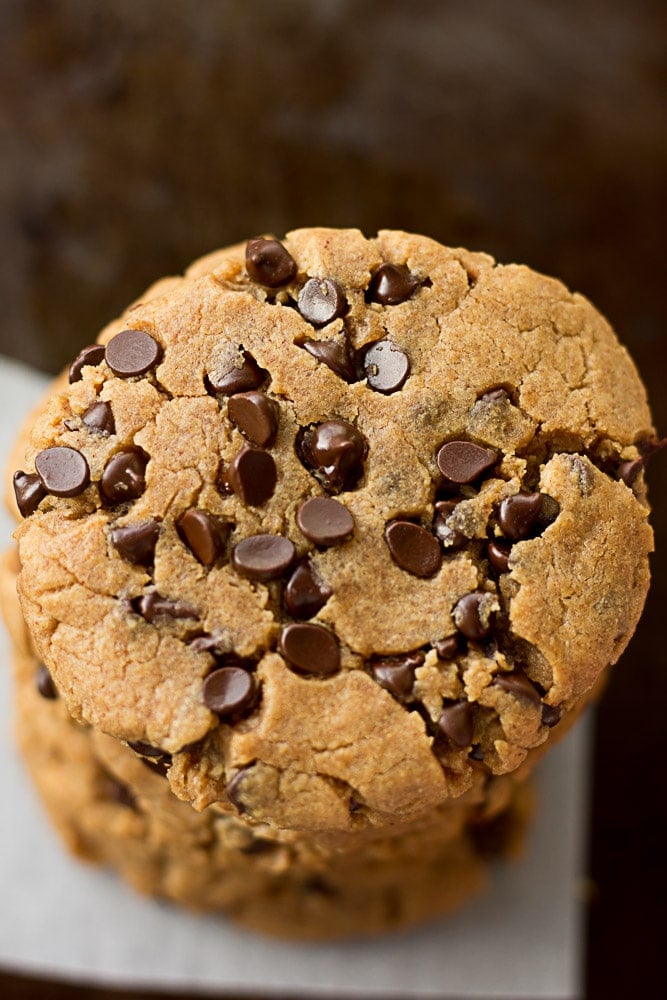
{"x":99,"y":417}
{"x":44,"y":683}
{"x":124,"y":477}
{"x":305,"y":594}
{"x":391,"y":284}
{"x":386,"y":367}
{"x":64,"y":472}
{"x":131,"y":353}
{"x":258,"y":845}
{"x":252,"y":475}
{"x":628,"y":472}
{"x":447,"y":649}
{"x":205,"y":642}
{"x":91,"y":355}
{"x":498,"y":553}
{"x":518,"y":514}
{"x":413,"y":548}
{"x":463,"y":462}
{"x":310,"y":649}
{"x":136,"y":542}
{"x":269,"y":263}
{"x":320,"y":301}
{"x":452,"y":539}
{"x":255,"y":415}
{"x":471,"y":617}
{"x":234,"y":787}
{"x":335,"y":451}
{"x":263,"y":557}
{"x":325,"y":521}
{"x":584,"y":473}
{"x":155,"y":759}
{"x":551,"y":715}
{"x":236,"y":378}
{"x":203,"y":534}
{"x":120,"y":793}
{"x":476,"y":753}
{"x":145,"y":749}
{"x":152,"y":606}
{"x":228,"y":691}
{"x":397,"y":674}
{"x":336,"y":356}
{"x":549,"y":511}
{"x":29,"y":492}
{"x":456,"y":723}
{"x":517,"y":683}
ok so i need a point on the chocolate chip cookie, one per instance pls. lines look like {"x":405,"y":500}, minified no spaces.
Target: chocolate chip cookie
{"x":332,"y":529}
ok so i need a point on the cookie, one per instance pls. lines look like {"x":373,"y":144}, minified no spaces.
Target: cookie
{"x":335,"y":526}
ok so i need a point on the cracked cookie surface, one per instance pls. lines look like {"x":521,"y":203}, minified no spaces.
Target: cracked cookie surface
{"x":332,"y":524}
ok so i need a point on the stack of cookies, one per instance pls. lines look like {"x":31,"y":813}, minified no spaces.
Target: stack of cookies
{"x":320,"y":547}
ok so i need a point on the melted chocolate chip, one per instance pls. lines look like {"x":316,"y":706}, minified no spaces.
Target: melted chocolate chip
{"x":29,"y":492}
{"x":229,"y":691}
{"x":447,"y":649}
{"x":325,"y":521}
{"x":336,"y":356}
{"x":463,"y":462}
{"x":234,"y":787}
{"x":91,"y":355}
{"x":386,"y":367}
{"x":136,"y":542}
{"x":255,"y":415}
{"x":252,"y":475}
{"x":99,"y":418}
{"x":124,"y":477}
{"x":397,"y":674}
{"x":498,"y":553}
{"x":335,"y":451}
{"x":517,"y":683}
{"x":153,"y":606}
{"x":269,"y":263}
{"x":234,"y":378}
{"x":64,"y":472}
{"x":131,"y":353}
{"x":391,"y":284}
{"x":456,"y":723}
{"x":310,"y":649}
{"x":263,"y":557}
{"x":413,"y":548}
{"x":518,"y":514}
{"x":452,"y":540}
{"x":551,"y":715}
{"x":320,"y":301}
{"x":203,"y":534}
{"x":44,"y":683}
{"x":305,"y":594}
{"x":154,"y":759}
{"x":470,"y":617}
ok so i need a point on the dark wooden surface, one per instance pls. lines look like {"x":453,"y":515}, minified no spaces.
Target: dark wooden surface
{"x":136,"y":136}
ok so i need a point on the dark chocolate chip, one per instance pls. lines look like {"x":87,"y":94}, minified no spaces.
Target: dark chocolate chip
{"x":252,"y":475}
{"x":146,"y":749}
{"x":456,"y":723}
{"x":493,"y":396}
{"x":136,"y":542}
{"x":391,"y":284}
{"x":518,"y":514}
{"x":310,"y":649}
{"x":234,"y":787}
{"x":269,"y":263}
{"x":517,"y":683}
{"x":44,"y":683}
{"x":551,"y":715}
{"x":305,"y":594}
{"x":549,"y":511}
{"x":452,"y":539}
{"x":132,"y":352}
{"x":413,"y":548}
{"x":628,"y":472}
{"x":335,"y":356}
{"x":335,"y":450}
{"x":99,"y":417}
{"x":229,"y":691}
{"x":205,"y":642}
{"x":325,"y":521}
{"x":153,"y":606}
{"x":203,"y":534}
{"x":386,"y":367}
{"x":91,"y":355}
{"x":124,"y":477}
{"x":470,"y":618}
{"x":447,"y":649}
{"x":320,"y":301}
{"x":29,"y":492}
{"x":397,"y":674}
{"x":498,"y":552}
{"x":476,"y":753}
{"x":255,"y":415}
{"x":120,"y":793}
{"x":64,"y":471}
{"x":463,"y":462}
{"x":236,"y":378}
{"x":155,"y":759}
{"x":263,"y":557}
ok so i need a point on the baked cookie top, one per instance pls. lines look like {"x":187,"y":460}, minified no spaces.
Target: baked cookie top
{"x":331,"y":525}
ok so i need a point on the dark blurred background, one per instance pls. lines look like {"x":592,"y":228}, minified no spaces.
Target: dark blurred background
{"x":138,"y":134}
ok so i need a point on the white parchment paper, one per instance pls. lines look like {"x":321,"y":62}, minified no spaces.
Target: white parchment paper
{"x":64,"y":919}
